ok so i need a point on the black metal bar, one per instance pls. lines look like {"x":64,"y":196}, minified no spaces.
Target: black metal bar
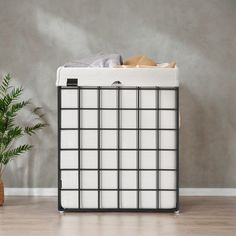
{"x":114,"y":189}
{"x":157,"y":146}
{"x":118,"y":147}
{"x":138,"y":147}
{"x":59,"y":146}
{"x":177,"y":147}
{"x":121,"y":109}
{"x":114,"y":169}
{"x":79,"y":200}
{"x":148,"y":129}
{"x":99,"y":144}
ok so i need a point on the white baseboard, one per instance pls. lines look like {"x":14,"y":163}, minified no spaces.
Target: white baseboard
{"x":183,"y":191}
{"x":30,"y":191}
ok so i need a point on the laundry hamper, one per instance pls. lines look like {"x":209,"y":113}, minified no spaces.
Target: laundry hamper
{"x":118,"y":139}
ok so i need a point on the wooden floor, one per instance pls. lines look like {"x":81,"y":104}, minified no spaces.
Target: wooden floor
{"x":38,"y":216}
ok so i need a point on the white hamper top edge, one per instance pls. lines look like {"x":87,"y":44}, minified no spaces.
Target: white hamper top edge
{"x":163,"y":77}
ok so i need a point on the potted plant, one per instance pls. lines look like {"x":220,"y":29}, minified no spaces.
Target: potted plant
{"x":10,"y":131}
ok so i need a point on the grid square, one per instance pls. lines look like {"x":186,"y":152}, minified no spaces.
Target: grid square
{"x":148,"y":99}
{"x":148,"y":159}
{"x":69,"y":179}
{"x":128,"y":199}
{"x":69,"y":98}
{"x":148,"y":179}
{"x":167,"y":119}
{"x":167,"y":99}
{"x":109,"y":139}
{"x":167,"y":199}
{"x":69,"y":119}
{"x":148,"y":119}
{"x":128,"y":179}
{"x":89,"y":199}
{"x":108,"y":98}
{"x":167,"y":179}
{"x":108,"y":159}
{"x":69,"y":159}
{"x":89,"y":159}
{"x":148,"y":139}
{"x":88,"y":98}
{"x":167,"y":139}
{"x":148,"y":199}
{"x":89,"y":139}
{"x":167,"y":160}
{"x":128,"y":119}
{"x":108,"y":119}
{"x":108,"y":179}
{"x":128,"y":159}
{"x":109,"y":199}
{"x":89,"y":179}
{"x":69,"y":139}
{"x":128,"y":139}
{"x":88,"y":119}
{"x":69,"y":199}
{"x":128,"y":98}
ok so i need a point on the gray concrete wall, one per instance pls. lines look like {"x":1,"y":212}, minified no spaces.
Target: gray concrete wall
{"x":38,"y":36}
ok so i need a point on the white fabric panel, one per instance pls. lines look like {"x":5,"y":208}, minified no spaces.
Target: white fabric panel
{"x":108,"y":98}
{"x":108,"y":119}
{"x":167,"y":179}
{"x":148,"y":139}
{"x":108,"y":179}
{"x":148,"y":119}
{"x":69,"y":199}
{"x":89,"y":179}
{"x":88,"y":119}
{"x":89,"y":199}
{"x":128,"y":98}
{"x":167,"y":160}
{"x":69,"y":179}
{"x":109,"y":199}
{"x":148,"y":99}
{"x":89,"y":159}
{"x":69,"y":159}
{"x":128,"y":199}
{"x":128,"y":159}
{"x":148,"y":179}
{"x":147,"y":199}
{"x":88,"y":98}
{"x":167,"y":139}
{"x":69,"y":119}
{"x":69,"y":98}
{"x":69,"y":139}
{"x":108,"y":159}
{"x":109,"y":139}
{"x":88,"y":139}
{"x":128,"y":139}
{"x":167,"y":119}
{"x":167,"y":99}
{"x":128,"y":179}
{"x":128,"y":119}
{"x":148,"y":159}
{"x":167,"y":199}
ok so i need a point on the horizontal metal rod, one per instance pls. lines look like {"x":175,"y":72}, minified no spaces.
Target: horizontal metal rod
{"x":115,"y":108}
{"x":135,"y":129}
{"x":115,"y":189}
{"x":115,"y":149}
{"x":112,"y":169}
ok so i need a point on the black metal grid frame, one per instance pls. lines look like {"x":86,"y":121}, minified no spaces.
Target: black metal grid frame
{"x":118,"y":109}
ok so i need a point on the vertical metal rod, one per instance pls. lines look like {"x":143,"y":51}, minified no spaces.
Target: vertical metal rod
{"x":138,"y":147}
{"x":99,"y":145}
{"x":157,"y":146}
{"x":118,"y":147}
{"x":59,"y":145}
{"x":177,"y":146}
{"x":79,"y":146}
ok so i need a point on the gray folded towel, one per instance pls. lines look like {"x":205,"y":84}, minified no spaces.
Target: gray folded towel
{"x":100,"y":60}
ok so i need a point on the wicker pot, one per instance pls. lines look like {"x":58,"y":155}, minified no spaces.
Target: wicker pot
{"x":1,"y":192}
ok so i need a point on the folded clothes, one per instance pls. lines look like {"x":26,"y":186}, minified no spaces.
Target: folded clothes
{"x":100,"y":60}
{"x":115,"y":60}
{"x":142,"y":61}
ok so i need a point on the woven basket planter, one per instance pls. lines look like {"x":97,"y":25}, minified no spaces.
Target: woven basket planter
{"x":1,"y":193}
